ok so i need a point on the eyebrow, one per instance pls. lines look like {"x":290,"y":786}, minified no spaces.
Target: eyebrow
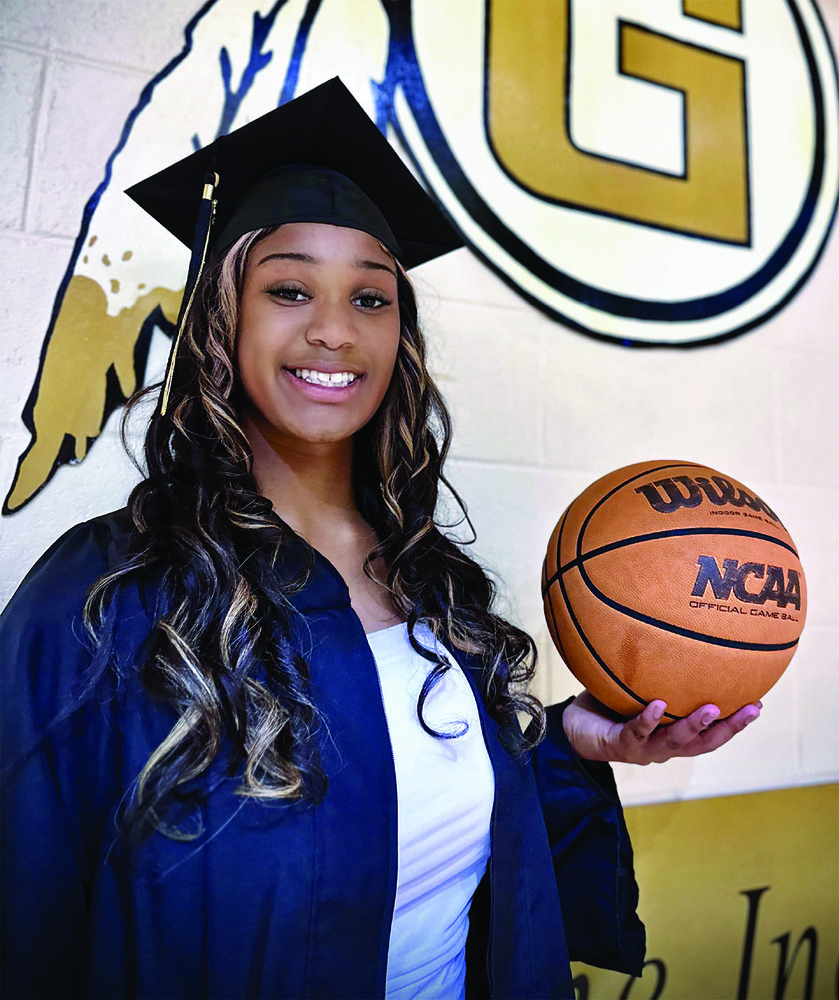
{"x":373,"y":265}
{"x":305,"y":258}
{"x":362,"y":263}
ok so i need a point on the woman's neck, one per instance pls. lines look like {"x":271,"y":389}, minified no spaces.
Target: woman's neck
{"x":310,"y":487}
{"x":308,"y":484}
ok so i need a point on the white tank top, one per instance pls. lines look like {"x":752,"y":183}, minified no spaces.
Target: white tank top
{"x":445,"y":791}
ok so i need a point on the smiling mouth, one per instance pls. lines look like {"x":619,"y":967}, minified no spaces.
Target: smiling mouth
{"x":331,"y":380}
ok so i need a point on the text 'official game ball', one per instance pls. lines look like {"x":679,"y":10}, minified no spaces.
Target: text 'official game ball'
{"x":669,"y":580}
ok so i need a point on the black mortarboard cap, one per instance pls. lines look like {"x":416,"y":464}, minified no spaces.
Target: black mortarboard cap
{"x":318,"y":158}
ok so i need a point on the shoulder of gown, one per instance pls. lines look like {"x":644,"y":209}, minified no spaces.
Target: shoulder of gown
{"x":45,"y":651}
{"x":61,"y":752}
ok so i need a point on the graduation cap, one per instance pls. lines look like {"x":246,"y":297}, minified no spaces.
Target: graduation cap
{"x":318,"y":158}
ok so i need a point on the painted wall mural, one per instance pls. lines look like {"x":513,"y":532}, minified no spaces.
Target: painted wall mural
{"x":647,"y":173}
{"x":730,"y":907}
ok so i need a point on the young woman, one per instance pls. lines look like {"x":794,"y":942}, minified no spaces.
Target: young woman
{"x":262,"y":733}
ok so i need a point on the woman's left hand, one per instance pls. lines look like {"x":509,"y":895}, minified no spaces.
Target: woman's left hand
{"x":598,"y":734}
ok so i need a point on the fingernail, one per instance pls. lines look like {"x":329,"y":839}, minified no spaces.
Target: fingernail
{"x":658,"y":710}
{"x":749,"y":720}
{"x":708,"y":717}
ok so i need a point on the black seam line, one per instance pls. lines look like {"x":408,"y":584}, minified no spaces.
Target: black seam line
{"x":763,"y":647}
{"x":559,"y":645}
{"x":616,"y":489}
{"x":653,"y":536}
{"x":633,"y":479}
{"x":587,"y":642}
{"x":638,"y":475}
{"x":558,"y":638}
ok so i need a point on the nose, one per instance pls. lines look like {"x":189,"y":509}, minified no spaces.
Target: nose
{"x":330,"y":326}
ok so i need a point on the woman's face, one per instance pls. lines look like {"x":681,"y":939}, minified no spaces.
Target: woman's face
{"x":318,"y":333}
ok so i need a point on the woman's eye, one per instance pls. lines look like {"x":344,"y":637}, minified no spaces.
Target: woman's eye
{"x":288,"y":293}
{"x":371,"y":300}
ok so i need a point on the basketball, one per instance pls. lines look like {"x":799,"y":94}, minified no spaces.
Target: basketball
{"x":668,"y":580}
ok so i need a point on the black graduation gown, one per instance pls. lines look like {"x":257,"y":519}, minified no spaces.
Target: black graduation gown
{"x":288,"y":900}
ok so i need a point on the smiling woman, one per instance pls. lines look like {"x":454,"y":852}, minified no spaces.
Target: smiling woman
{"x":262,"y":727}
{"x":317,"y":342}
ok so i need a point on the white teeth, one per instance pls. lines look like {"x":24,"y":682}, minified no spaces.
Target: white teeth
{"x":333,"y":379}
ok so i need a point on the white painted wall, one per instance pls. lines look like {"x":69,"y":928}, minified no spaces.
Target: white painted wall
{"x":540,"y":411}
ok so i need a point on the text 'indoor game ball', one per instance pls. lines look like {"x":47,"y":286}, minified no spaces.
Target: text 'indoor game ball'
{"x":669,"y":580}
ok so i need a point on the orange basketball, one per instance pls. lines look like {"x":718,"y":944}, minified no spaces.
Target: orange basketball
{"x":669,"y":580}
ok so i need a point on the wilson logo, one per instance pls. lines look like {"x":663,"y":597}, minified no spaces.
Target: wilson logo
{"x":669,"y":495}
{"x":741,"y":579}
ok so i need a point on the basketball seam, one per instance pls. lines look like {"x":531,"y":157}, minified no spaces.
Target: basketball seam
{"x":626,"y":482}
{"x":764,"y":647}
{"x":654,"y":536}
{"x":620,"y":486}
{"x":645,"y":472}
{"x":547,"y":590}
{"x":598,"y":659}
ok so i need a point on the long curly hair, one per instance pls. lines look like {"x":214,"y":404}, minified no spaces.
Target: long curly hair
{"x":220,"y":651}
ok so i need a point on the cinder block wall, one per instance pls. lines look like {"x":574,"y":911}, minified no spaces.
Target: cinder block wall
{"x":539,"y":410}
